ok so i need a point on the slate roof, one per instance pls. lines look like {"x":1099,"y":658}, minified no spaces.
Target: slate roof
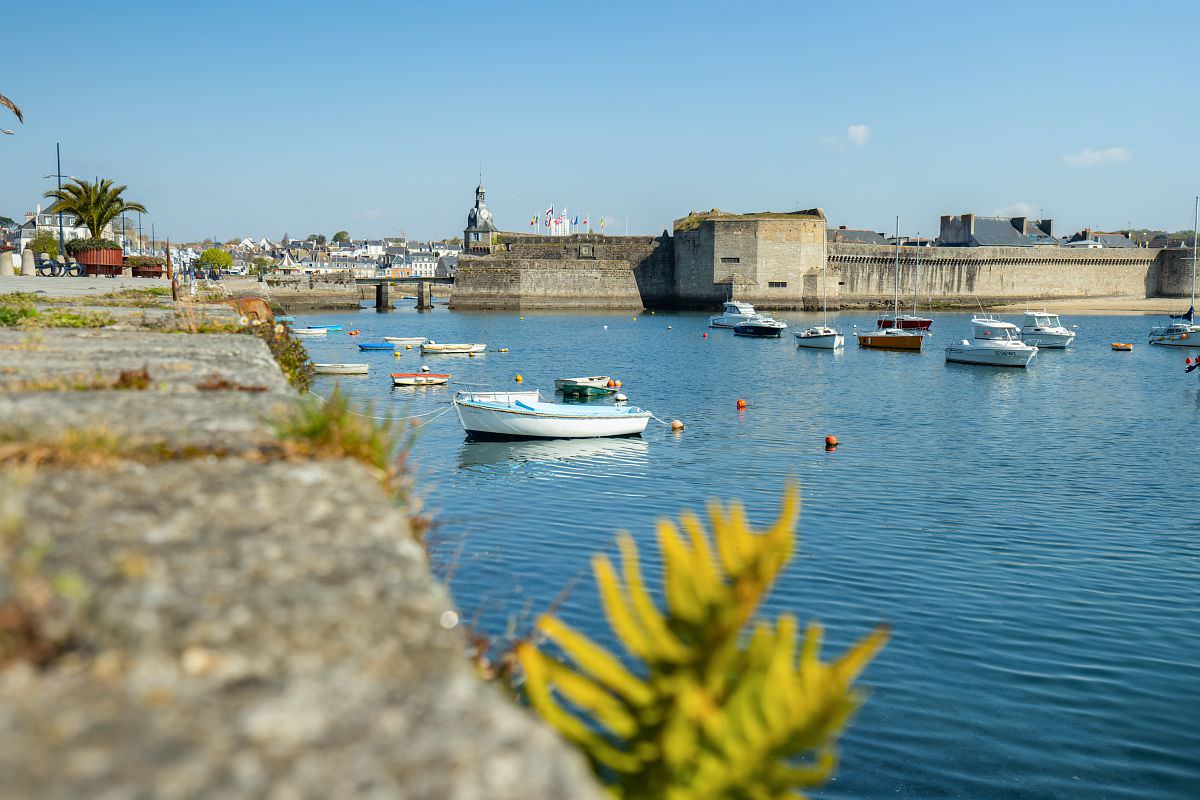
{"x":855,"y":236}
{"x":997,"y":232}
{"x":1114,"y":240}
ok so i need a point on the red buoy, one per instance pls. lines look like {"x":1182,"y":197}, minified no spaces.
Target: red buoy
{"x":741,"y":404}
{"x":706,"y":335}
{"x":831,"y":442}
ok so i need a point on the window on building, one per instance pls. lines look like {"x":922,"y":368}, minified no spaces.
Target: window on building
{"x":777,"y":284}
{"x":729,"y":260}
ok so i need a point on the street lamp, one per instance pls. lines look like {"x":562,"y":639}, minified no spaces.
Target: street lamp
{"x":62,"y":245}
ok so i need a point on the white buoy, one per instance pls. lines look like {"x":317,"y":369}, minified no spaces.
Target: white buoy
{"x":620,"y":398}
{"x":605,"y":327}
{"x":424,"y":368}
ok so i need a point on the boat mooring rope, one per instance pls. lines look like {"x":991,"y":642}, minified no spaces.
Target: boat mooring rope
{"x":435,"y":413}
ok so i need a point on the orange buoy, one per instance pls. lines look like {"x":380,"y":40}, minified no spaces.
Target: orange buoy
{"x":741,"y":404}
{"x":352,"y":333}
{"x":612,"y":384}
{"x":676,"y":425}
{"x":618,"y":384}
{"x":831,"y":442}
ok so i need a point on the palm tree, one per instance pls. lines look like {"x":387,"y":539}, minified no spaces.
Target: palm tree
{"x":93,"y":204}
{"x":11,"y":106}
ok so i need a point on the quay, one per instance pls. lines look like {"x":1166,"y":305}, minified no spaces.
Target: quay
{"x":195,"y":600}
{"x":383,"y":299}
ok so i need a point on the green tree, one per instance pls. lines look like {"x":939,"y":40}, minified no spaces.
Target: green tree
{"x":341,"y":237}
{"x":319,"y":238}
{"x":93,"y":204}
{"x":44,"y":242}
{"x":262,"y":265}
{"x":216,"y":258}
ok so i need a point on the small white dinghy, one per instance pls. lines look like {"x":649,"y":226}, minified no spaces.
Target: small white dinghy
{"x":445,"y":349}
{"x":598,"y":381}
{"x":420,"y":378}
{"x":534,"y":419}
{"x":821,"y":337}
{"x":340,"y":369}
{"x":310,"y":331}
{"x":402,"y":340}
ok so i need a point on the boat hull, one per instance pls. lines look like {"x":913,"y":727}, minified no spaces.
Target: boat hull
{"x":906,"y":323}
{"x":880,"y":341}
{"x":452,"y":349}
{"x":1044,"y":341}
{"x":513,"y":422}
{"x":341,"y":369}
{"x":309,"y":332}
{"x":990,"y":357}
{"x":405,"y":339}
{"x":585,"y":390}
{"x":419,"y":379}
{"x":821,"y":341}
{"x":758,"y":330}
{"x":1189,"y":339}
{"x":594,"y":380}
{"x":377,"y":346}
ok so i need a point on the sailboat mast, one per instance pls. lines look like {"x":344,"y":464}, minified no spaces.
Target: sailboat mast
{"x":896,"y":301}
{"x":1195,"y":239}
{"x":917,"y":273}
{"x":825,"y":294}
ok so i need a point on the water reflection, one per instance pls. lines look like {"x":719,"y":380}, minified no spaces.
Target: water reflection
{"x":628,"y":452}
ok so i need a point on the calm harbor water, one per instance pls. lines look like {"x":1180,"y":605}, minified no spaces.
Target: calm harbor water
{"x":1032,"y":536}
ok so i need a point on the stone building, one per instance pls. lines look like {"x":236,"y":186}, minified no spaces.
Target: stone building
{"x":477,"y":238}
{"x":772,"y":259}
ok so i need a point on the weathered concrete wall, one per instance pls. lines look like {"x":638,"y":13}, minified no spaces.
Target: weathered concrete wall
{"x":585,"y":271}
{"x":772,"y":262}
{"x":864,"y":275}
{"x":1174,"y":274}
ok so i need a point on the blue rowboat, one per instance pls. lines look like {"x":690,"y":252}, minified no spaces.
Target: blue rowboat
{"x":376,"y":346}
{"x":327,"y":327}
{"x":285,"y":318}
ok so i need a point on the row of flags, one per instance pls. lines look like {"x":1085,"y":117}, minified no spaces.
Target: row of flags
{"x":561,"y":218}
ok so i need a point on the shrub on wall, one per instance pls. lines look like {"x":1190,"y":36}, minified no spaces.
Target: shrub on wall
{"x":144,"y":261}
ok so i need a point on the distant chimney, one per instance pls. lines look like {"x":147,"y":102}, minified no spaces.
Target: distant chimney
{"x":969,"y":223}
{"x":841,"y":227}
{"x":1046,"y":226}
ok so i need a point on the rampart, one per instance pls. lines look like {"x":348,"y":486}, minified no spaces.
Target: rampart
{"x":583,"y":271}
{"x":1174,"y":274}
{"x":864,"y":275}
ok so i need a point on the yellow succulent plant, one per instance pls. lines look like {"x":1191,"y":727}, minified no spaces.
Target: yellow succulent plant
{"x":706,"y":711}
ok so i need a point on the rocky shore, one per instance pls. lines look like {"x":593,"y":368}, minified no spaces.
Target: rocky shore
{"x":193,"y":604}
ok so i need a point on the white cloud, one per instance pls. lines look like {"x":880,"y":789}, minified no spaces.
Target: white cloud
{"x":1090,"y":156}
{"x":858,"y":134}
{"x":1016,"y":210}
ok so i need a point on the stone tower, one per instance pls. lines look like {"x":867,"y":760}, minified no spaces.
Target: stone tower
{"x":477,"y":238}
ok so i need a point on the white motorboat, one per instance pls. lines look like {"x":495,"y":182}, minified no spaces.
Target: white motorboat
{"x":1183,"y":330}
{"x":435,"y":348}
{"x":340,"y":369}
{"x":821,"y":336}
{"x":535,"y":419}
{"x":996,"y":344}
{"x":1045,"y":330}
{"x":525,"y":396}
{"x":594,"y":380}
{"x":403,"y":340}
{"x":733,"y":313}
{"x":310,"y":331}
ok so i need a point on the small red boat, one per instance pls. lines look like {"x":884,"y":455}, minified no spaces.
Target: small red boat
{"x":907,"y":322}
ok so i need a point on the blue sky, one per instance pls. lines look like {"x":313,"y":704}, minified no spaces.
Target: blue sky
{"x":259,"y":118}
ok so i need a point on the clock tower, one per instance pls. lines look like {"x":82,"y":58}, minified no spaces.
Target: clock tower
{"x":477,"y":238}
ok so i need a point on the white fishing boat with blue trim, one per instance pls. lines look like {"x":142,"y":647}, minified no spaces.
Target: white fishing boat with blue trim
{"x":506,"y":416}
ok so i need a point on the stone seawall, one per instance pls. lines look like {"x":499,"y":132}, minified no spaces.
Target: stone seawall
{"x":1174,"y":277}
{"x":864,"y":275}
{"x":587,"y":271}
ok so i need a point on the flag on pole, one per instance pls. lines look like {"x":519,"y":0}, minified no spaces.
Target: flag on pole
{"x":533,"y":220}
{"x":576,"y":222}
{"x":585,"y":219}
{"x":602,"y":223}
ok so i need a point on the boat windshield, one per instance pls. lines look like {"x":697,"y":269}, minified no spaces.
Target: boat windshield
{"x":1046,"y":321}
{"x":993,"y":332}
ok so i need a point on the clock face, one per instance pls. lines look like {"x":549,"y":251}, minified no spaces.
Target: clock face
{"x":484,"y":214}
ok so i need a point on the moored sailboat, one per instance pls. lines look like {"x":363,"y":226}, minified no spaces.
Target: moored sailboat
{"x":1183,"y":330}
{"x":821,"y":336}
{"x":892,"y":337}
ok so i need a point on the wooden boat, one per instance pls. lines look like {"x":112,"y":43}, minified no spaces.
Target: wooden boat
{"x":376,"y":346}
{"x":594,"y":380}
{"x":309,"y":331}
{"x":585,"y":390}
{"x":447,"y":349}
{"x":405,"y":339}
{"x":521,"y":419}
{"x":419,"y":378}
{"x":340,"y":369}
{"x":1122,"y":347}
{"x":892,"y":339}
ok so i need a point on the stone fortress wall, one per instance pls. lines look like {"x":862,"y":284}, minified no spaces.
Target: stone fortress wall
{"x":774,"y":260}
